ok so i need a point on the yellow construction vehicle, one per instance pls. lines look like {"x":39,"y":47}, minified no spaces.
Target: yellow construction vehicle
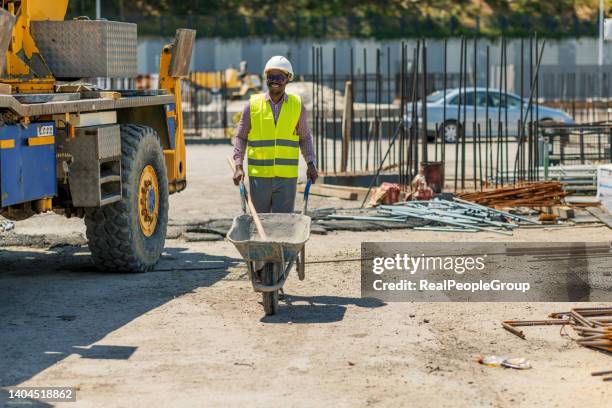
{"x":238,"y":84}
{"x":109,"y":156}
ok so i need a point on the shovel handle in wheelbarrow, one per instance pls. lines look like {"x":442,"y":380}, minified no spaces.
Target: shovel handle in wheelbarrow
{"x":245,"y":197}
{"x":301,"y":265}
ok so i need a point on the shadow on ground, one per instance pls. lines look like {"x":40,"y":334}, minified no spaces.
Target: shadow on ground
{"x":54,"y":304}
{"x":318,"y":309}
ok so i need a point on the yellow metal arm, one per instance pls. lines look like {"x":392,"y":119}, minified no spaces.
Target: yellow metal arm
{"x":175,"y":159}
{"x":26,"y":69}
{"x":174,"y":65}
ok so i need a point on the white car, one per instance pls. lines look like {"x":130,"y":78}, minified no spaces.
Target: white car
{"x":448,"y":128}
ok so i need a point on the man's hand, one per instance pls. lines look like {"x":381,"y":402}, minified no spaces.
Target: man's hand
{"x":312,"y":173}
{"x":238,"y":175}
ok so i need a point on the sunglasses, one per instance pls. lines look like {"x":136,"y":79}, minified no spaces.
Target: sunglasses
{"x":278,"y":77}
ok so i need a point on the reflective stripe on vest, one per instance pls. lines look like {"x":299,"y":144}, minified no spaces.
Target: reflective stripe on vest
{"x":274,"y":149}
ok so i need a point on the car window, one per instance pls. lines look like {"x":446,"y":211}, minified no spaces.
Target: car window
{"x":468,"y":99}
{"x":513,"y":102}
{"x":481,"y":99}
{"x":435,"y":97}
{"x":494,"y":100}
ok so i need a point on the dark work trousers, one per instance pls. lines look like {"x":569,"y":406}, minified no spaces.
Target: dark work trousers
{"x":273,"y":195}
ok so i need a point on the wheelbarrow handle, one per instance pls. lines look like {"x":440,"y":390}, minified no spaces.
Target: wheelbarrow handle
{"x":301,"y":264}
{"x":243,"y":197}
{"x":306,"y":194}
{"x":302,"y":258}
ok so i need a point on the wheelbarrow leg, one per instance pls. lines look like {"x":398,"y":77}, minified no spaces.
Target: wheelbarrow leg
{"x":301,"y":264}
{"x":270,"y":277}
{"x":251,"y":269}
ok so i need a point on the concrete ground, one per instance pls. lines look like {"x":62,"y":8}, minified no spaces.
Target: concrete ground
{"x":193,"y":333}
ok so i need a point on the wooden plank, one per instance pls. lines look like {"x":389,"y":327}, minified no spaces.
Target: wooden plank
{"x":182,"y":49}
{"x":330,"y":192}
{"x":101,"y":94}
{"x":355,"y":189}
{"x":582,"y":201}
{"x":347,"y":122}
{"x":601,"y":215}
{"x":360,"y":191}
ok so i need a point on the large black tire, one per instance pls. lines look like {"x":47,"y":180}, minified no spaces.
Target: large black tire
{"x":116,"y":239}
{"x":270,"y":277}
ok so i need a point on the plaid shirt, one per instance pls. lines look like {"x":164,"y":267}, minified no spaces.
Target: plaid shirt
{"x":244,"y":127}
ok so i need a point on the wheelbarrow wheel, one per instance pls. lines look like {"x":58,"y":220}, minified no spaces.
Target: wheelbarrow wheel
{"x":270,"y":277}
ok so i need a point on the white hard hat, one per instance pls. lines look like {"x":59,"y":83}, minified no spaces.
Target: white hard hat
{"x":281,"y":63}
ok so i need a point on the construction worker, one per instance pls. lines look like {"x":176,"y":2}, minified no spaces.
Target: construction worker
{"x":274,"y":127}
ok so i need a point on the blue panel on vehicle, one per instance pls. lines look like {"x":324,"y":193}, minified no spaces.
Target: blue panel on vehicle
{"x":171,"y":121}
{"x":27,"y":163}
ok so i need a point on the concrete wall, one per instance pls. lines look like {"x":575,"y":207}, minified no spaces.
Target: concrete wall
{"x":213,"y":54}
{"x":560,"y":59}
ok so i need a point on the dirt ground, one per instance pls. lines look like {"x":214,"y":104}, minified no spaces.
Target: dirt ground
{"x":193,"y":333}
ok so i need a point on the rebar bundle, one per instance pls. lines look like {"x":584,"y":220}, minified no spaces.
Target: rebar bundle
{"x":540,"y":194}
{"x":593,"y":325}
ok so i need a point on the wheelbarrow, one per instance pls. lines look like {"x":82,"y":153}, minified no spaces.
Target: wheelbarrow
{"x":282,"y":248}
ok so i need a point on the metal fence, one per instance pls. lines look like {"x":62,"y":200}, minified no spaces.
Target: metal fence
{"x":372,"y":122}
{"x":205,"y":110}
{"x":588,"y":143}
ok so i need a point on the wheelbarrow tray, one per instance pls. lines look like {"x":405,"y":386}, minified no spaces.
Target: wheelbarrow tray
{"x":287,"y":234}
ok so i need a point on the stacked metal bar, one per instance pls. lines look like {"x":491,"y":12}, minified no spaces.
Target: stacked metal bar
{"x":444,"y":215}
{"x":546,"y":193}
{"x":593,"y":325}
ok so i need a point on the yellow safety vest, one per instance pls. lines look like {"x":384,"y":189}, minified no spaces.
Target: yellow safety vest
{"x":274,"y":149}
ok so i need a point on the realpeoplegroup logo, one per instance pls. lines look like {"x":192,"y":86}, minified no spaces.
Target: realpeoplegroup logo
{"x":422,"y":264}
{"x":486,"y":272}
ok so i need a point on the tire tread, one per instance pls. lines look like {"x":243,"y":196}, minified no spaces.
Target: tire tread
{"x":108,"y":227}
